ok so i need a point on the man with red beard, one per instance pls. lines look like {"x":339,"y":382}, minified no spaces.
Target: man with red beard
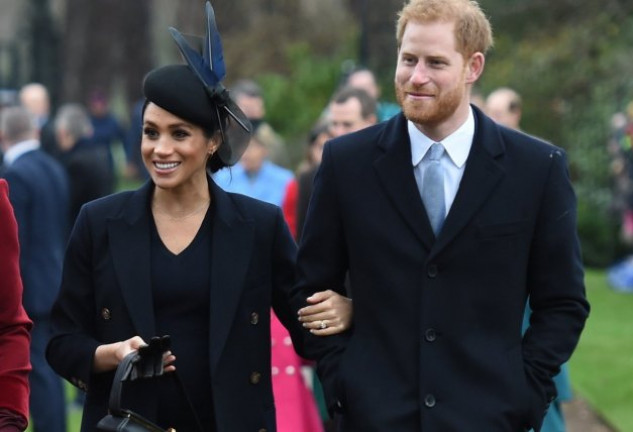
{"x":446,"y":223}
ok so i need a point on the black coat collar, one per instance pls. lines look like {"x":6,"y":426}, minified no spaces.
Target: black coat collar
{"x":483,"y":170}
{"x":232,"y":243}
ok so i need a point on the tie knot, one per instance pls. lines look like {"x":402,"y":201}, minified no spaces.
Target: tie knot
{"x":436,"y":152}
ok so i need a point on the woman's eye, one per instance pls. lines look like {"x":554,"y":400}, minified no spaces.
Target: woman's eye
{"x":180,"y":134}
{"x":150,"y":133}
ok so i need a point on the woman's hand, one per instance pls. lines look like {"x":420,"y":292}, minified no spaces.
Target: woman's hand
{"x":329,"y":313}
{"x":108,"y":356}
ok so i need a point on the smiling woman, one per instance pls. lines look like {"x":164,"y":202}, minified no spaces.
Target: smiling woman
{"x":181,"y":257}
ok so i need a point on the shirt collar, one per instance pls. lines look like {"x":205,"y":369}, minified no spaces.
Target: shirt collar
{"x":457,"y":144}
{"x":17,"y":150}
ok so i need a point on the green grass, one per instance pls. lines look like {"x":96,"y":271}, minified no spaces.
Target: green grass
{"x":73,"y":419}
{"x":601,"y":368}
{"x":74,"y":414}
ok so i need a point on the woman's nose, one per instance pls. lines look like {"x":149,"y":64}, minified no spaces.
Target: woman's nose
{"x":163,"y":146}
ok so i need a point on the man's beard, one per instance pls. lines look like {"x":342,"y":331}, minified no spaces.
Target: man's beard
{"x":429,"y":112}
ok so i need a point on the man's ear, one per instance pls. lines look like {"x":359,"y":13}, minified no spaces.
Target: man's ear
{"x":475,"y":67}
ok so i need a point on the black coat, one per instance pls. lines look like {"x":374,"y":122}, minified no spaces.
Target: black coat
{"x":106,"y":297}
{"x":89,"y":175}
{"x":436,"y":343}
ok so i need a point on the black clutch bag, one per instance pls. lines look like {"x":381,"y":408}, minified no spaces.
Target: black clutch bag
{"x":146,"y":363}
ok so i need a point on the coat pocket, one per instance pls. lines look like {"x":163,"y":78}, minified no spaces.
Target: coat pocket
{"x":506,"y":229}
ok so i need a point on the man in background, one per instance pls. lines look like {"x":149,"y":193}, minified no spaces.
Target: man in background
{"x":35,"y":98}
{"x":248,"y":95}
{"x":350,"y":109}
{"x":38,"y":191}
{"x":365,"y":79}
{"x":505,"y":106}
{"x":89,"y":176}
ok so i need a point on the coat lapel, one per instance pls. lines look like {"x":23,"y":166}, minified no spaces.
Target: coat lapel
{"x":129,"y":237}
{"x":231,"y":252}
{"x":398,"y":181}
{"x":483,"y":172}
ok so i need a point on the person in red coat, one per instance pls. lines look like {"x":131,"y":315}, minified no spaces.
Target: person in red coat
{"x":14,"y":325}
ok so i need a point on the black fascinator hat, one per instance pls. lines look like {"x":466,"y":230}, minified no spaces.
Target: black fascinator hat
{"x":195,"y":91}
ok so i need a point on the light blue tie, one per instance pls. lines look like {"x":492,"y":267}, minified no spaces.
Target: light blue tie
{"x":433,"y":188}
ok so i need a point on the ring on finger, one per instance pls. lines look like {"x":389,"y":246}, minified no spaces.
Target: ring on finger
{"x":323,"y":325}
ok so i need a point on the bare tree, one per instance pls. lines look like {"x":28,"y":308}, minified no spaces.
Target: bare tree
{"x":377,"y":39}
{"x":105,"y":42}
{"x":257,"y":35}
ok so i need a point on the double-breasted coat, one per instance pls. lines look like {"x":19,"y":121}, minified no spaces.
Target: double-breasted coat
{"x":106,"y":297}
{"x":436,"y":343}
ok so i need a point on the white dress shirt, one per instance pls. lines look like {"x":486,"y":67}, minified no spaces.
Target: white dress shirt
{"x":17,"y":150}
{"x":457,"y":147}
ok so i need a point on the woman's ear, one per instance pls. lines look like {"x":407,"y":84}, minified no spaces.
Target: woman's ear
{"x":214,"y":144}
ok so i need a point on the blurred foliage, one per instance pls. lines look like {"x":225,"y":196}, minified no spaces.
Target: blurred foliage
{"x":573,"y":71}
{"x":295,"y":101}
{"x":296,"y":61}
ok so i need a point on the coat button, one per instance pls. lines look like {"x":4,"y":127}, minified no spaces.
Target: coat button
{"x":429,"y":400}
{"x":430,"y":335}
{"x":255,"y":377}
{"x":254,"y":318}
{"x":106,"y":314}
{"x":432,"y":271}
